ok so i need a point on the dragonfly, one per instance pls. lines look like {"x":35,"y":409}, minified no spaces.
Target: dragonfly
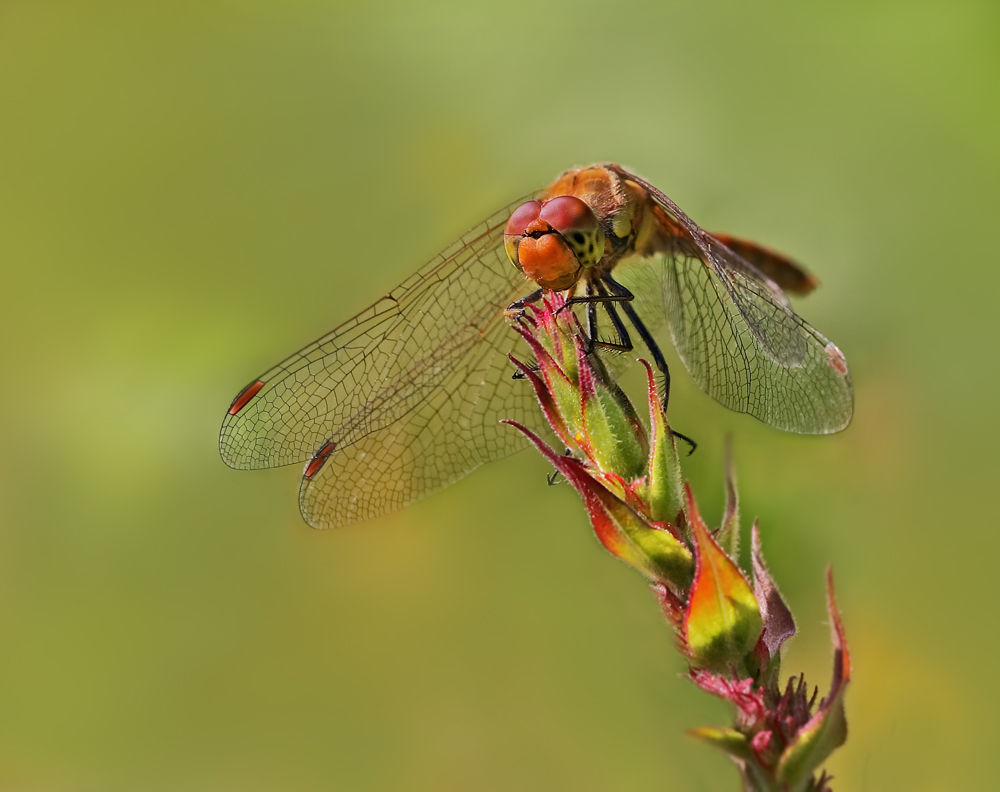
{"x":407,"y":396}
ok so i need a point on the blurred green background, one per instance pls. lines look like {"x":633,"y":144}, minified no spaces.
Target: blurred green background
{"x":191,"y":190}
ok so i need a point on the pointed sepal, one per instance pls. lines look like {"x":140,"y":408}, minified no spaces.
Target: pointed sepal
{"x":728,"y":536}
{"x":827,"y":729}
{"x":549,"y":407}
{"x":723,"y":621}
{"x":779,"y":624}
{"x":652,"y":550}
{"x":729,"y":741}
{"x":664,"y":486}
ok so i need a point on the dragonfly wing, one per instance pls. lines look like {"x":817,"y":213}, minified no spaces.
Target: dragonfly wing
{"x":742,"y":345}
{"x":752,"y":352}
{"x":736,"y":333}
{"x":440,"y":337}
{"x":454,"y":429}
{"x":781,"y":334}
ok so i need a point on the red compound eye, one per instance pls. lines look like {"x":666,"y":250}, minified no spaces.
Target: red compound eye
{"x":568,"y":213}
{"x":577,"y":224}
{"x":524,"y":215}
{"x":517,"y":227}
{"x":551,"y":242}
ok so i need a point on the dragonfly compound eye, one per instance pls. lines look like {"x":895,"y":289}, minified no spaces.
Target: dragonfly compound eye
{"x":517,"y":228}
{"x":552,"y":242}
{"x":578,"y":225}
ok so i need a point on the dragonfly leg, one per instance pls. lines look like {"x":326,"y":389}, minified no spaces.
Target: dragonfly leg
{"x":645,"y":335}
{"x":686,"y":439}
{"x":624,"y":341}
{"x":518,"y":306}
{"x":514,"y":310}
{"x":591,"y":324}
{"x":553,"y":477}
{"x":654,"y":349}
{"x":592,"y":343}
{"x":590,"y":297}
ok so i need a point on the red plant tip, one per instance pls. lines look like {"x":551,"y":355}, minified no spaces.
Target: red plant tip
{"x":548,"y":404}
{"x":825,"y":731}
{"x":622,"y":530}
{"x":779,"y":624}
{"x":842,"y":657}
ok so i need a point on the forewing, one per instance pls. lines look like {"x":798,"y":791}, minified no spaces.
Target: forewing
{"x":424,"y":362}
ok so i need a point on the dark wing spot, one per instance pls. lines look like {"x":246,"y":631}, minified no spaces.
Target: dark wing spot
{"x":244,"y":396}
{"x":319,"y":459}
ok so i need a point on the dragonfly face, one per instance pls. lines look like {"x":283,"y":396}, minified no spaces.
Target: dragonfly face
{"x":553,"y":243}
{"x":407,"y":396}
{"x":587,"y":220}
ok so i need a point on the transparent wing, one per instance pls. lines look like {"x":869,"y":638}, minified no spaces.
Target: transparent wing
{"x":742,"y":345}
{"x":451,"y":431}
{"x":736,"y":333}
{"x":404,"y":398}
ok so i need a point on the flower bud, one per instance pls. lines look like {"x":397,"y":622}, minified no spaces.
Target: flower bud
{"x":723,"y":622}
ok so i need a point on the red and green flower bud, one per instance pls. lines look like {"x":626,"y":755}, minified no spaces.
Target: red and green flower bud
{"x":560,"y":389}
{"x":609,"y":426}
{"x":654,"y":551}
{"x":663,"y":483}
{"x":723,"y":621}
{"x":732,"y":634}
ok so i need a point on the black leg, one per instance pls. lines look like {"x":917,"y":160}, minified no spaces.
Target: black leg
{"x":654,"y":350}
{"x":591,"y":322}
{"x":515,"y":309}
{"x":646,"y":336}
{"x":599,"y":298}
{"x":518,"y":305}
{"x":687,"y":440}
{"x":553,"y":477}
{"x":624,"y":341}
{"x":596,"y":298}
{"x":593,"y":341}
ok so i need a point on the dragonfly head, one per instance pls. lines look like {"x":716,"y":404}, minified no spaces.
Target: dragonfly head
{"x":552,"y":242}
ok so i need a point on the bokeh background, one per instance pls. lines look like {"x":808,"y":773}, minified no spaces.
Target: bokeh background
{"x":191,"y":190}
